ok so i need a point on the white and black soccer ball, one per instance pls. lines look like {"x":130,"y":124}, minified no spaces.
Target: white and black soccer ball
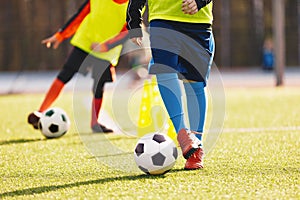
{"x":155,"y":153}
{"x":54,"y":123}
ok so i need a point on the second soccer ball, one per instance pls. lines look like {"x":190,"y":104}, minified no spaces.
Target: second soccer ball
{"x":54,"y":123}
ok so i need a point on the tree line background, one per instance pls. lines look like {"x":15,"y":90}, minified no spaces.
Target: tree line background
{"x":240,"y":29}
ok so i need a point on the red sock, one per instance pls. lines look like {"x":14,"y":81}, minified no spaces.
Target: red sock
{"x":52,"y":94}
{"x":96,"y":105}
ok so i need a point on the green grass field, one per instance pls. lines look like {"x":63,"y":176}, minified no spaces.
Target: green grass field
{"x":256,"y":157}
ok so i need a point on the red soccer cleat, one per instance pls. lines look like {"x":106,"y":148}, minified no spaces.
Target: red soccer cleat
{"x":195,"y":161}
{"x":188,"y":142}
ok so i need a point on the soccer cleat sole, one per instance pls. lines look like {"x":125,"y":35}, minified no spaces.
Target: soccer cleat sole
{"x":194,"y":168}
{"x":33,"y":119}
{"x":101,"y":129}
{"x":195,"y":161}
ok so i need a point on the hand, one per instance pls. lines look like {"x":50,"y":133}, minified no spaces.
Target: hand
{"x":99,"y":47}
{"x":189,"y":7}
{"x":137,"y":41}
{"x":48,"y":42}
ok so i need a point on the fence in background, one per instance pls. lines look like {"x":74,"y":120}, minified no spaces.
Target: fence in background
{"x":240,"y":28}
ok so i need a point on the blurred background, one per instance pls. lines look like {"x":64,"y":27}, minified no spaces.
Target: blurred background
{"x":243,"y":30}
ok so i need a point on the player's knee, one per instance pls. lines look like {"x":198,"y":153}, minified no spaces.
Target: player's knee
{"x":65,"y":75}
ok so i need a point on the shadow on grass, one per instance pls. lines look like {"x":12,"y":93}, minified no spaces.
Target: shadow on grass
{"x":42,"y":189}
{"x":23,"y":141}
{"x":41,"y":139}
{"x":104,"y":137}
{"x":20,"y":141}
{"x":114,"y":135}
{"x":110,"y":155}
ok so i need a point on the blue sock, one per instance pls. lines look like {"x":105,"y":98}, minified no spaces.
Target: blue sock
{"x":196,"y":104}
{"x":170,"y":92}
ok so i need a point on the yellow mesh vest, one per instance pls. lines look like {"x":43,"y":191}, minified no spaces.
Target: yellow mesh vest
{"x":105,"y":20}
{"x":171,"y":10}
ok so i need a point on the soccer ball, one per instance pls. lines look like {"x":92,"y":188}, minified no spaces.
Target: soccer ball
{"x":54,"y":123}
{"x":155,"y":153}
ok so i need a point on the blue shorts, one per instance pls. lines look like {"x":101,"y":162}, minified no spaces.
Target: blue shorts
{"x":184,"y":48}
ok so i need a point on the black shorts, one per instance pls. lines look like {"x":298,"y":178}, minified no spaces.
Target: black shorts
{"x":81,"y":62}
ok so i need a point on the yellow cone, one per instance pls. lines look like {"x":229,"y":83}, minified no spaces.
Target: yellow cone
{"x":153,"y":115}
{"x":145,"y":120}
{"x":171,"y":131}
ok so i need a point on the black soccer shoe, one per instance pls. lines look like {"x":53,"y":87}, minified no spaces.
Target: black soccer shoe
{"x":34,"y":118}
{"x":98,"y":128}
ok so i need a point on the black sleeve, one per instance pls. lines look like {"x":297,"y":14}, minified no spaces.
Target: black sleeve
{"x":202,"y":3}
{"x":134,"y":17}
{"x":76,"y":15}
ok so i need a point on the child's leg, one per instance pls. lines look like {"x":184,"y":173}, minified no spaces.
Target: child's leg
{"x":101,"y":74}
{"x":96,"y":106}
{"x":52,"y":94}
{"x":196,"y":104}
{"x":69,"y":69}
{"x":171,"y":94}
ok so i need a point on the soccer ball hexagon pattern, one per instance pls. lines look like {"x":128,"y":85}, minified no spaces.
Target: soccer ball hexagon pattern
{"x":155,"y":153}
{"x":54,"y":123}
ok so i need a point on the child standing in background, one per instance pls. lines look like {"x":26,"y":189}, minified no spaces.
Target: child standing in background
{"x":99,"y":29}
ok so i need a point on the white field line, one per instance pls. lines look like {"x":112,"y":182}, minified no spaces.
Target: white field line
{"x":266,"y":129}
